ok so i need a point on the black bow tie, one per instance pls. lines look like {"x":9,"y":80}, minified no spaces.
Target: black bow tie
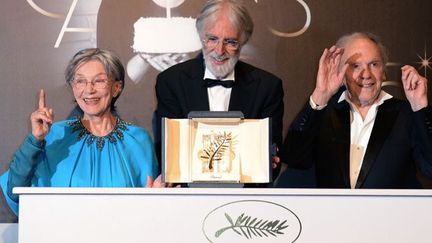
{"x":212,"y":82}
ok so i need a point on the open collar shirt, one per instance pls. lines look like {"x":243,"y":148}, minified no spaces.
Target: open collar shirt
{"x":360,"y":132}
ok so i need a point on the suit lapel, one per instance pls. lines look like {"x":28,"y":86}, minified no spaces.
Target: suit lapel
{"x":194,"y":88}
{"x":243,"y":91}
{"x":341,"y":125}
{"x":383,"y":125}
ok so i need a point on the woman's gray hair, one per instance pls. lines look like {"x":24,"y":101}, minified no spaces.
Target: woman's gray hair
{"x":112,"y":65}
{"x":236,"y":12}
{"x":345,"y":39}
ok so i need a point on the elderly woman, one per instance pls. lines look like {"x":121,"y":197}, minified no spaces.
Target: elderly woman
{"x":98,"y":149}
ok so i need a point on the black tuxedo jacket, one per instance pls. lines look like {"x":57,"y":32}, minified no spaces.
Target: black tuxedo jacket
{"x":257,"y":93}
{"x":401,"y":140}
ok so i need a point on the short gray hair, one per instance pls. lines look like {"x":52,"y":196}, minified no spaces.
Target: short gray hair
{"x":345,"y":39}
{"x":237,"y":13}
{"x":112,"y":65}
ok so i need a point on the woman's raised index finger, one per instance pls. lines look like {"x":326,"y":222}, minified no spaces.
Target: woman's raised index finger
{"x":41,"y":99}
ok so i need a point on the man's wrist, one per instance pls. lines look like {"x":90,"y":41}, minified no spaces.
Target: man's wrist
{"x":316,"y":106}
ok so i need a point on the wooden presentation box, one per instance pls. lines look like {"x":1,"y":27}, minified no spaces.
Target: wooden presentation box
{"x":216,"y":150}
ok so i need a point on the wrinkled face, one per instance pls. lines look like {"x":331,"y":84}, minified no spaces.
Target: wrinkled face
{"x":221,"y":46}
{"x":93,"y":89}
{"x":365,"y":72}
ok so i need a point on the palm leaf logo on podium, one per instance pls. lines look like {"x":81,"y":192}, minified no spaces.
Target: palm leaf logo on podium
{"x":253,"y":227}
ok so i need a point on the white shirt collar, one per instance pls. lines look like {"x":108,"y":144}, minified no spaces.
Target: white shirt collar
{"x":383,"y":96}
{"x":208,"y":74}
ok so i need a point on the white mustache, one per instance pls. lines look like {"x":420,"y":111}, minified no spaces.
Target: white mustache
{"x":219,"y":57}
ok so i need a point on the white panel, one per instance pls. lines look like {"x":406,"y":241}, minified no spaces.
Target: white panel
{"x":195,"y":215}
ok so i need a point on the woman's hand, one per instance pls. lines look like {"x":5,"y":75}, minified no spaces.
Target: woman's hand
{"x":157,"y":183}
{"x":41,"y":119}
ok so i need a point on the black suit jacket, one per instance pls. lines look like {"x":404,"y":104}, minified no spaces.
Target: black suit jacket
{"x":181,"y":89}
{"x":400,"y":140}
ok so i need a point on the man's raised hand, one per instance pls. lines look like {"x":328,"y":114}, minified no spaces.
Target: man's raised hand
{"x":330,"y":75}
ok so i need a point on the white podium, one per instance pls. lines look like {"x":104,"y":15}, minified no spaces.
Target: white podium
{"x":234,"y":215}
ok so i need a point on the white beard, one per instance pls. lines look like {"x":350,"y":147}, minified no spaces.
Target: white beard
{"x":220,"y":71}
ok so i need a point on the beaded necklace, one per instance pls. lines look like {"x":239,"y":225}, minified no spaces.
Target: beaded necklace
{"x":120,"y":126}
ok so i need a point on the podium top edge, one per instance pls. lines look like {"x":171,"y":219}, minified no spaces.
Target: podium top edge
{"x":224,"y":191}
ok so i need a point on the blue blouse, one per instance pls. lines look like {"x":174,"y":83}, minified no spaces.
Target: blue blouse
{"x":70,"y":156}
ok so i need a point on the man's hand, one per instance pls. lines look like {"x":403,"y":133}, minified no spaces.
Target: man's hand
{"x":330,"y":76}
{"x":275,"y":162}
{"x":415,"y":87}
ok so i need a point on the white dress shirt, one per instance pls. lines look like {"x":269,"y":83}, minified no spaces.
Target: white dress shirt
{"x":218,"y":96}
{"x":360,"y":133}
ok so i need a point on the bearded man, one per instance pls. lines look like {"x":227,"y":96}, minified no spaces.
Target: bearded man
{"x":216,"y":80}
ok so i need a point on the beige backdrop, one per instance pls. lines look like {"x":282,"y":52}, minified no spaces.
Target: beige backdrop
{"x":30,"y":59}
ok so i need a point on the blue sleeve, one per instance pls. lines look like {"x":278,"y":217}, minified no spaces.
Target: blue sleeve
{"x":13,"y":205}
{"x":144,"y":154}
{"x":150,"y":158}
{"x":22,"y":166}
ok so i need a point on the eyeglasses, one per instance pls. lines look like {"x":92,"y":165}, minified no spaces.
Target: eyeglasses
{"x":97,"y":82}
{"x":229,"y":44}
